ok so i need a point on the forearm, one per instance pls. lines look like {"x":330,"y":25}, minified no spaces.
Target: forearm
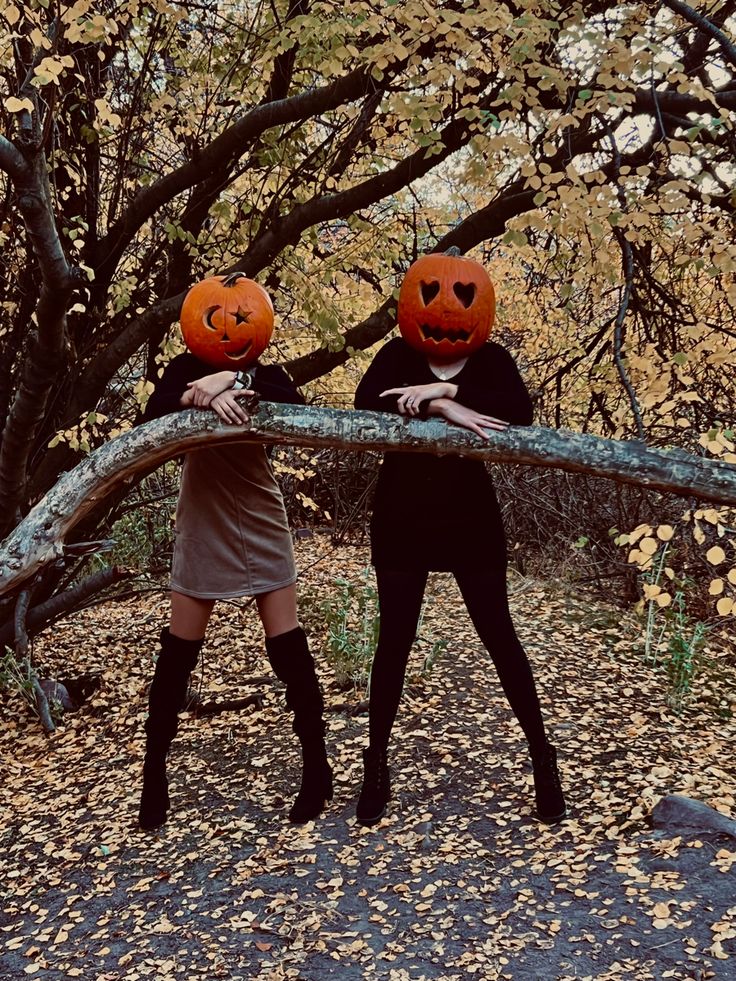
{"x":511,"y":403}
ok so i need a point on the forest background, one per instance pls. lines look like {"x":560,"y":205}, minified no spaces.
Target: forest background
{"x":585,"y":152}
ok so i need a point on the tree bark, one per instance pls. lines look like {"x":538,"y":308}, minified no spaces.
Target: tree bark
{"x":39,"y":538}
{"x":45,"y":359}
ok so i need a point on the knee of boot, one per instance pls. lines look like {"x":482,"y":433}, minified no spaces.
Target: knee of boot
{"x":289,"y":655}
{"x":179,"y":653}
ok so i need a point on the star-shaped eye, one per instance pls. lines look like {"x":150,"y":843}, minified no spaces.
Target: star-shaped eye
{"x":242,"y":316}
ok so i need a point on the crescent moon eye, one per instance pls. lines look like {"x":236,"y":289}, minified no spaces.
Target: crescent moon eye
{"x":207,"y":318}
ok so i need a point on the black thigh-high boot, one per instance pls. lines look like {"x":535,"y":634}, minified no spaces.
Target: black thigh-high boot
{"x":293,"y":664}
{"x":175,"y":664}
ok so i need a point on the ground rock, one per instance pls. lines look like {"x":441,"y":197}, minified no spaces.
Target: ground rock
{"x":676,"y":811}
{"x":55,"y":691}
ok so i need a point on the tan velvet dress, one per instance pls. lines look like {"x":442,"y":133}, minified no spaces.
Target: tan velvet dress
{"x":232,"y":536}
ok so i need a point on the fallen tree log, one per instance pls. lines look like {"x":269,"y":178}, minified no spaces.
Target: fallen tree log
{"x":39,"y":537}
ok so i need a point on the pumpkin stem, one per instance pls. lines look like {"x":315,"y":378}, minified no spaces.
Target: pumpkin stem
{"x":232,"y":279}
{"x":453,"y":250}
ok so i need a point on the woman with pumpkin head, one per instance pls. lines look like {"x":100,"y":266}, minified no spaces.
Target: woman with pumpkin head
{"x":232,"y":536}
{"x":440,"y":513}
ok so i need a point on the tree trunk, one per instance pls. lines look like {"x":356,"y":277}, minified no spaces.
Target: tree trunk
{"x":39,"y":537}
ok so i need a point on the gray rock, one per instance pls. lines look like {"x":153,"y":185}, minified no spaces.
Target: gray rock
{"x":676,"y":811}
{"x":56,"y":692}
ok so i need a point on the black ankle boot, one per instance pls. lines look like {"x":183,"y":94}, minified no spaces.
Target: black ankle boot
{"x":293,"y":664}
{"x":165,"y":699}
{"x":547,"y":787}
{"x":376,"y":790}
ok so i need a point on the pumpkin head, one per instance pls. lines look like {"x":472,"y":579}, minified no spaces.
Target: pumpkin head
{"x":446,"y":305}
{"x":227,"y":321}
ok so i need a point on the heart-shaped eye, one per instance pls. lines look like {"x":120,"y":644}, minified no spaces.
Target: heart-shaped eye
{"x":465,"y":292}
{"x":429,"y":292}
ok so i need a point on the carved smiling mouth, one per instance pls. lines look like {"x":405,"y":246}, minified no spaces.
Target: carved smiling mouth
{"x":437,"y":334}
{"x":241,"y":351}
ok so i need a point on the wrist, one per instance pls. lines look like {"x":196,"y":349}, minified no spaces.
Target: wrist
{"x":450,"y":390}
{"x":436,"y":407}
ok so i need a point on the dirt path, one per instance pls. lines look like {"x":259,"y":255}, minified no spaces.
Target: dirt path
{"x":458,"y":882}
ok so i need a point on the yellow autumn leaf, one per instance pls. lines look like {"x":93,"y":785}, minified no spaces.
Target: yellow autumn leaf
{"x":639,"y":531}
{"x":716,"y":587}
{"x":716,"y":950}
{"x":13,"y":104}
{"x":648,"y":546}
{"x":665,"y":532}
{"x":715,"y":555}
{"x":724,"y":605}
{"x":664,"y":599}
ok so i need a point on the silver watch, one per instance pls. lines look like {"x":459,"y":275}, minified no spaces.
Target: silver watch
{"x":243,"y":379}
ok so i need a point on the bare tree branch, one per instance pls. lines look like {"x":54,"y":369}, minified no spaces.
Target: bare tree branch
{"x":38,"y":538}
{"x":708,"y":27}
{"x":71,"y":599}
{"x":20,"y":631}
{"x":225,"y":148}
{"x":44,"y":361}
{"x":12,"y":160}
{"x":680,"y":103}
{"x":20,"y":644}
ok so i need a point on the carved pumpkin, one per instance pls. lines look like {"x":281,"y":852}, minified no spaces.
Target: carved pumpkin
{"x":227,"y":321}
{"x":446,"y":305}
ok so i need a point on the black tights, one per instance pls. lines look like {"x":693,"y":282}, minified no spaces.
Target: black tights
{"x":400,"y":597}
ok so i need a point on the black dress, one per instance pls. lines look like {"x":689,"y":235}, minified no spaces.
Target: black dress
{"x":432,"y":512}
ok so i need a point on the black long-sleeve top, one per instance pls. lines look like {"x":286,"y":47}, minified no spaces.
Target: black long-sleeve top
{"x":270,"y":381}
{"x":434,"y":512}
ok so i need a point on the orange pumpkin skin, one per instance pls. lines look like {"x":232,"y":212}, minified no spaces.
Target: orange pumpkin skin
{"x":447,"y":305}
{"x":227,"y":321}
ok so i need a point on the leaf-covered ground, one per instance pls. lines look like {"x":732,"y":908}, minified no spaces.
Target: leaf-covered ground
{"x":459,"y":881}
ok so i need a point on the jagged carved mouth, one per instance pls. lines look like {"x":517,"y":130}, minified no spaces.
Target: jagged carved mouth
{"x":241,"y":351}
{"x":437,"y":334}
